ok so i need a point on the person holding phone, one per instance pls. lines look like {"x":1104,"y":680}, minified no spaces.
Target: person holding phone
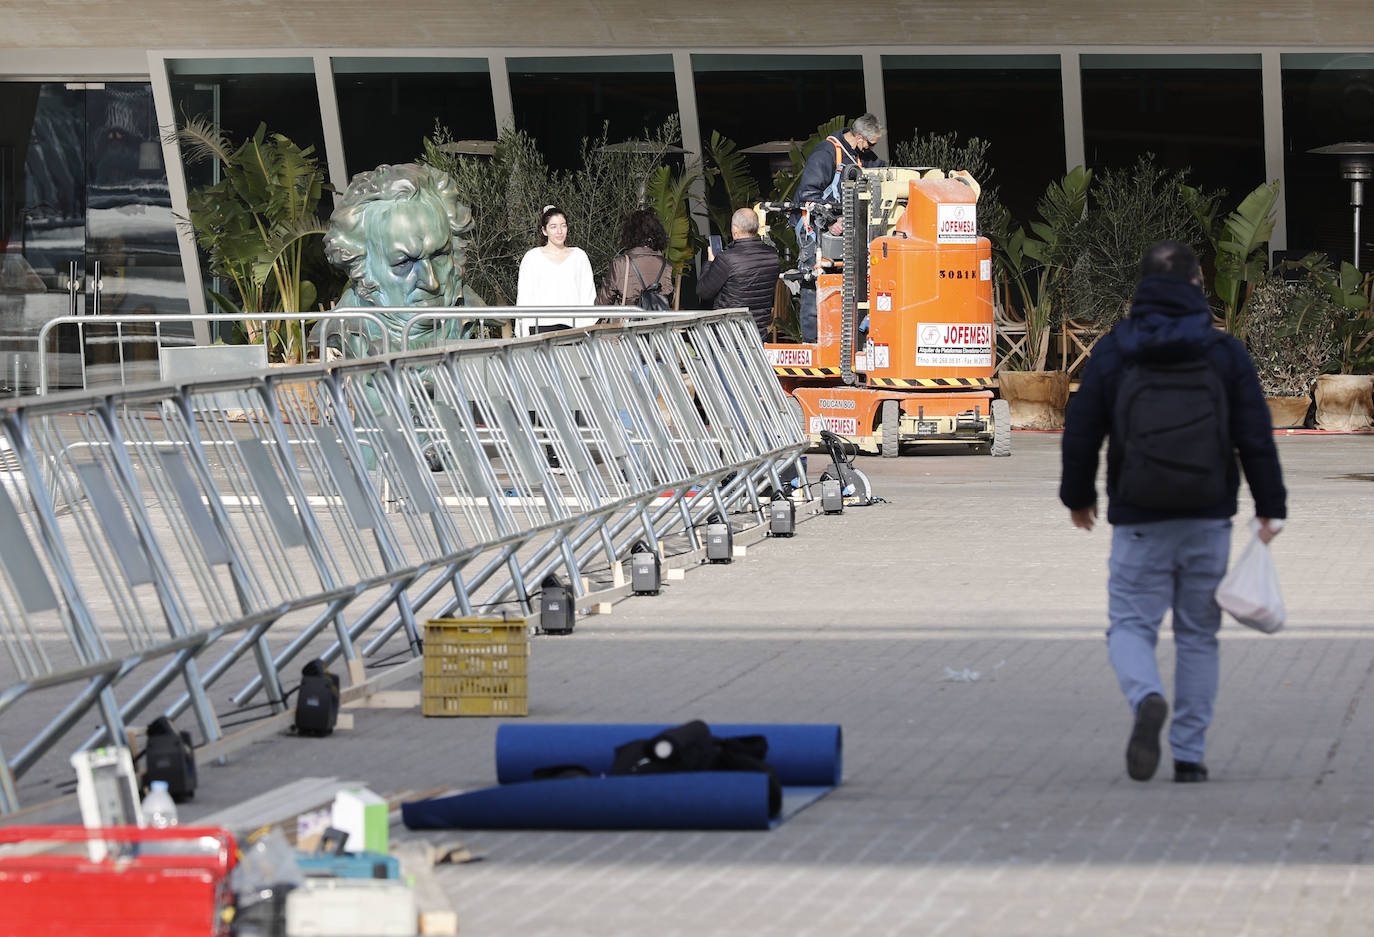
{"x":554,"y":274}
{"x":743,"y":274}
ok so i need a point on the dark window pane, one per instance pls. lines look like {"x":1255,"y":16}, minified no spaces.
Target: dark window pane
{"x":239,"y":94}
{"x":1198,"y":112}
{"x":561,"y":101}
{"x":1013,"y":102}
{"x":756,"y":99}
{"x":1326,"y":99}
{"x":387,"y":107}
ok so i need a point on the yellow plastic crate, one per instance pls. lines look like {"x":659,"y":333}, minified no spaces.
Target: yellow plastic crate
{"x":475,"y":667}
{"x":474,"y":696}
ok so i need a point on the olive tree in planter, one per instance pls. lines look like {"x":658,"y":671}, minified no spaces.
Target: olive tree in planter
{"x":1291,"y":336}
{"x":507,"y":191}
{"x":1343,"y":394}
{"x":1129,"y":210}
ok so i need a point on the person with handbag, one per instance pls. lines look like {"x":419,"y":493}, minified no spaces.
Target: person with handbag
{"x":640,"y":265}
{"x":1178,"y":401}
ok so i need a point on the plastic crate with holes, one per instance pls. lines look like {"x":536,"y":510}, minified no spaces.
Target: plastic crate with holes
{"x":475,"y":667}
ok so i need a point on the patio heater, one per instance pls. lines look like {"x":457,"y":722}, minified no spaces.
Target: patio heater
{"x":1357,"y":166}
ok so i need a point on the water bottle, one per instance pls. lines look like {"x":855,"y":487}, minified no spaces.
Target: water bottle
{"x":159,"y":810}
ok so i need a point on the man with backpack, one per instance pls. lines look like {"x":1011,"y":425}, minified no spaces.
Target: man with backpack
{"x":1178,"y":400}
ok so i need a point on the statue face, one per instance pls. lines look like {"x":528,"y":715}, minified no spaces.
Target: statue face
{"x":410,"y":254}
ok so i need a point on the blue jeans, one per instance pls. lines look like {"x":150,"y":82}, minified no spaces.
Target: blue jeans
{"x":1153,"y":568}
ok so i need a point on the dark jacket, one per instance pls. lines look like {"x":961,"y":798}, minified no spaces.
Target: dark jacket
{"x":820,"y":165}
{"x":620,"y":286}
{"x":1169,"y":321}
{"x":743,"y":274}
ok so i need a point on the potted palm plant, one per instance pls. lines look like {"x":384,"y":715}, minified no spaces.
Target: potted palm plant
{"x":1036,"y":264}
{"x":1343,"y":395}
{"x":258,"y":225}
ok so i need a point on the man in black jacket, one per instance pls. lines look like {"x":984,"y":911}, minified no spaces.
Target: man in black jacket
{"x":1172,"y":553}
{"x":745,"y":274}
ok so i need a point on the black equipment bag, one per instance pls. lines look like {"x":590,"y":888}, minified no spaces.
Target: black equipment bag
{"x":1172,"y":424}
{"x":169,"y":757}
{"x":692,"y":747}
{"x":317,"y":701}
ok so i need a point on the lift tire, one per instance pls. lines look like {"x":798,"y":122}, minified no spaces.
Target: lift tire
{"x":1001,"y":428}
{"x":892,"y":439}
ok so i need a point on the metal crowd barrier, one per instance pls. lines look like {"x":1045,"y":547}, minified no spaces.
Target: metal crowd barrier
{"x":158,"y":540}
{"x":341,"y":316}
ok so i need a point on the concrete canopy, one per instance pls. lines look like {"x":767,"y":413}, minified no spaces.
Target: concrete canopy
{"x":195,"y":24}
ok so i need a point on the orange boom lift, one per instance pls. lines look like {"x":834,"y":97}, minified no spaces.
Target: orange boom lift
{"x":904,"y":350}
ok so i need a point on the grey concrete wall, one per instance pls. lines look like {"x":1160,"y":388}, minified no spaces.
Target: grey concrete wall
{"x":194,"y":24}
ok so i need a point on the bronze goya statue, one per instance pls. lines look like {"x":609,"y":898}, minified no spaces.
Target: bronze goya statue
{"x":399,"y":232}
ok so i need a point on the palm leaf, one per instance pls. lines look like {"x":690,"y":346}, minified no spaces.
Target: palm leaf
{"x":1243,"y":233}
{"x":732,"y":169}
{"x":204,"y":140}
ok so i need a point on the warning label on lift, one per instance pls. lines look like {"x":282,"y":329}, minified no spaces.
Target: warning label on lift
{"x":956,"y":223}
{"x":954,"y":345}
{"x":788,"y":357}
{"x":845,"y":426}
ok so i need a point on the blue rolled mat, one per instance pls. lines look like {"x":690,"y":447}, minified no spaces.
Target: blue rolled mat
{"x":800,"y":754}
{"x":699,"y":800}
{"x":806,"y":759}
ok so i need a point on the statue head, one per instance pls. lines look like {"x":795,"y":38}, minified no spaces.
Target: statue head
{"x":398,"y":233}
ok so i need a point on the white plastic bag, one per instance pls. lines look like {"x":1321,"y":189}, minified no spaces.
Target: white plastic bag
{"x":1250,"y":591}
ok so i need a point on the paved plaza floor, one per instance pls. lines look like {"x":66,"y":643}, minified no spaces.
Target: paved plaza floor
{"x":990,"y":806}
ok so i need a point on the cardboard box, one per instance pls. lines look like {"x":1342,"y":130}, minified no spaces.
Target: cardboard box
{"x":363,"y":816}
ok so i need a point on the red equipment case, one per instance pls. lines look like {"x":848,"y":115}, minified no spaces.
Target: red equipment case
{"x":62,"y":891}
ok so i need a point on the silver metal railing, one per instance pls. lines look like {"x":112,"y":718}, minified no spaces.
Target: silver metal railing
{"x":156,"y":320}
{"x":160,"y":540}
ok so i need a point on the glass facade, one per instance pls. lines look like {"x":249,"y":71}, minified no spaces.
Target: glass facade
{"x":237,"y":95}
{"x":1204,"y":113}
{"x":786,"y":97}
{"x":82,"y":180}
{"x":1014,"y":102}
{"x":1327,"y":99}
{"x":87,"y":227}
{"x":388,"y":106}
{"x":560,"y":101}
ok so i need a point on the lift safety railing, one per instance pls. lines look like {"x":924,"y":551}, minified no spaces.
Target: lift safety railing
{"x":194,"y":532}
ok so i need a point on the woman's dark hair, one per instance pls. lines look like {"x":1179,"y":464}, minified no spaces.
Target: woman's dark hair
{"x":544,"y":216}
{"x":642,"y":229}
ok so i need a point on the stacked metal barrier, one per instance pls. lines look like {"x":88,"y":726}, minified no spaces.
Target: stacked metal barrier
{"x":156,"y":540}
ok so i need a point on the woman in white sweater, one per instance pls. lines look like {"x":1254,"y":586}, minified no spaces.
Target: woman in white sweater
{"x":554,"y":274}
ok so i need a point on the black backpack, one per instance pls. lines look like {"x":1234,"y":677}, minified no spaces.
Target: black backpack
{"x":651,"y":298}
{"x":1172,"y":425}
{"x":317,"y":702}
{"x":171,"y":758}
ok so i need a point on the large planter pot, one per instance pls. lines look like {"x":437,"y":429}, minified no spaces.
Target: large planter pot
{"x":1036,"y":399}
{"x":1345,"y":402}
{"x":1288,"y":412}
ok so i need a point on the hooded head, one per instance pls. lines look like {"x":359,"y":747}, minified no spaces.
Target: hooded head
{"x":1169,"y":316}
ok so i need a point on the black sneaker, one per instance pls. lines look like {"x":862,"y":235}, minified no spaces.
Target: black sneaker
{"x":1189,"y":772}
{"x":1142,"y":752}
